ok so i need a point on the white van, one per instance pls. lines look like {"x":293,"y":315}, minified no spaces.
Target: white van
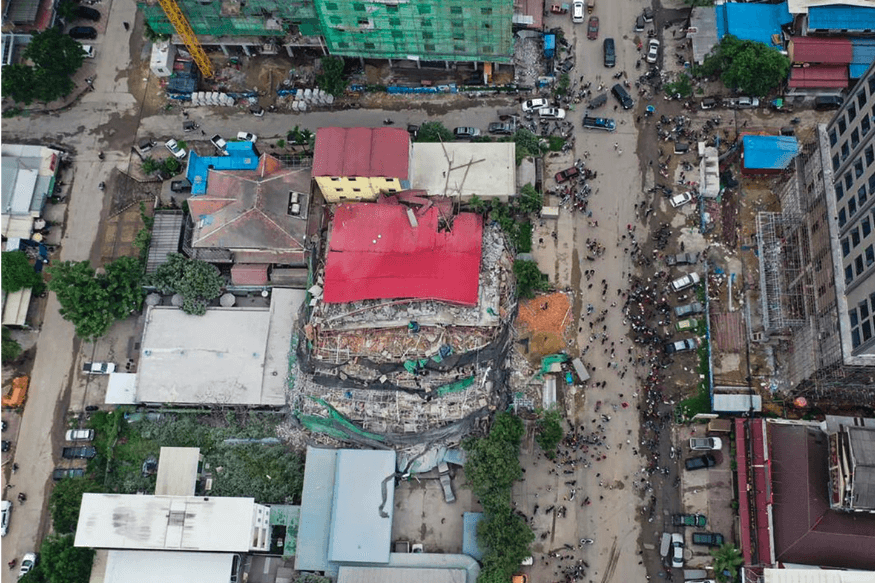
{"x":80,"y":434}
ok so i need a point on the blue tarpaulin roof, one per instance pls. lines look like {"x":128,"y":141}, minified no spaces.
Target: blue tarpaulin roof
{"x":769,"y":152}
{"x":756,"y":22}
{"x":862,"y":56}
{"x":241,"y":156}
{"x":841,"y":17}
{"x":470,"y":520}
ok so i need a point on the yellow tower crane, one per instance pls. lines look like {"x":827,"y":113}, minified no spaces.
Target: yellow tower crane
{"x":183,"y":29}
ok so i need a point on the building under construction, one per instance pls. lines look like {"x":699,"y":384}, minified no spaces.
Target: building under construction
{"x":423,"y":31}
{"x":817,"y":264}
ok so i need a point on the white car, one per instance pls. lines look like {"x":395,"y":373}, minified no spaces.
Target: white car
{"x":89,"y":51}
{"x":551,"y":113}
{"x":174,"y":148}
{"x":747,"y":102}
{"x":677,"y":550}
{"x":533,"y":104}
{"x":27,"y":563}
{"x":680,"y":199}
{"x":686,"y":281}
{"x":6,"y":509}
{"x":652,"y":50}
{"x":246,"y":137}
{"x":706,"y":443}
{"x":79,"y":434}
{"x":577,"y":12}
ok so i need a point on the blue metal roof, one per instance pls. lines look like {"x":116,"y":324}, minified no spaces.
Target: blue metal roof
{"x":863,"y":55}
{"x":317,"y":499}
{"x":241,"y":156}
{"x":361,"y":520}
{"x":470,"y":547}
{"x":756,"y":22}
{"x":769,"y":152}
{"x":841,"y":17}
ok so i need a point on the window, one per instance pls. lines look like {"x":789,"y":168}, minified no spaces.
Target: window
{"x":343,"y":45}
{"x":852,"y":112}
{"x":430,"y":47}
{"x":370,"y":46}
{"x":459,"y":48}
{"x":840,"y":191}
{"x":872,"y":183}
{"x":846,"y":150}
{"x":849,"y":180}
{"x":487,"y":25}
{"x":426,"y":22}
{"x":356,"y":189}
{"x":486,"y":11}
{"x":864,"y":125}
{"x":864,"y":310}
{"x":835,"y":163}
{"x":872,"y":85}
{"x":855,"y":337}
{"x":334,"y":19}
{"x":872,"y":301}
{"x":846,"y":247}
{"x":394,"y":22}
{"x":861,"y":99}
{"x":867,"y":330}
{"x":397,"y":33}
{"x":843,"y":126}
{"x":866,"y":226}
{"x":456,"y":23}
{"x":359,"y":7}
{"x":393,"y":8}
{"x":842,"y":218}
{"x":862,"y":197}
{"x":858,"y":168}
{"x":833,"y":138}
{"x":852,"y":315}
{"x":427,"y":35}
{"x":486,"y":50}
{"x":455,"y":9}
{"x":458,"y":35}
{"x":852,"y":207}
{"x":855,"y":138}
{"x":424,"y":9}
{"x":331,"y":5}
{"x":870,"y":255}
{"x":364,"y":22}
{"x":849,"y":274}
{"x":870,"y":155}
{"x":858,"y":263}
{"x":855,"y":237}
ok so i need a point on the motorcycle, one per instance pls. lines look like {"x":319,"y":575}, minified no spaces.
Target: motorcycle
{"x":102,"y":186}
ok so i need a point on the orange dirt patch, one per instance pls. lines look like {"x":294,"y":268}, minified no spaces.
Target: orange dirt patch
{"x":543,"y":321}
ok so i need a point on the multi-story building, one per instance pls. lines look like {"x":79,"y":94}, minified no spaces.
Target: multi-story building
{"x":420,"y":30}
{"x":818,"y":258}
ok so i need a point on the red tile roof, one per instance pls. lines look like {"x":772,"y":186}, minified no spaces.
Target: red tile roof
{"x":249,"y":274}
{"x":834,"y":76}
{"x":754,"y":491}
{"x":365,"y":152}
{"x":809,"y":49}
{"x":374,"y":253}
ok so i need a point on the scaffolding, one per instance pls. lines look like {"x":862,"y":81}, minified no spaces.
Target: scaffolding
{"x":782,"y":242}
{"x":237,"y":19}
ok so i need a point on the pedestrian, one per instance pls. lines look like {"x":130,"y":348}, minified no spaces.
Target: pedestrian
{"x":203,"y":133}
{"x":126,"y":25}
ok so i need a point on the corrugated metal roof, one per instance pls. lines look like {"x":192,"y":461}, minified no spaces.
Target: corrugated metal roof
{"x":399,"y":575}
{"x":832,"y":76}
{"x":22,"y":11}
{"x":756,"y":22}
{"x":864,"y":55}
{"x":166,"y":238}
{"x":177,"y":471}
{"x":317,"y":500}
{"x":767,"y":152}
{"x":470,"y":546}
{"x":809,"y":49}
{"x":841,"y":17}
{"x":141,"y":567}
{"x":15,"y":307}
{"x":816,"y":576}
{"x":362,"y":152}
{"x":364,"y":502}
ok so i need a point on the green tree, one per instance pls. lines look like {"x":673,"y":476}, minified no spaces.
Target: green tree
{"x":549,"y":432}
{"x":434,"y":131}
{"x":171,"y":166}
{"x":65,"y":500}
{"x":727,"y":560}
{"x":18,"y":273}
{"x":529,"y":200}
{"x":61,"y":562}
{"x":198,"y":282}
{"x":331,"y":79}
{"x":747,"y":66}
{"x":477,"y":204}
{"x":91,"y":301}
{"x":680,"y":87}
{"x":11,"y":348}
{"x":505,"y":538}
{"x":529,"y":278}
{"x":270,"y":474}
{"x":150,"y":165}
{"x":55,"y":57}
{"x":528,"y":144}
{"x":67,"y":9}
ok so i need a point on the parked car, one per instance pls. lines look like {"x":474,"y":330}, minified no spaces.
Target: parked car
{"x":81,"y":452}
{"x":246,"y":137}
{"x":577,"y":12}
{"x":566,"y":174}
{"x":709,"y":103}
{"x":827,"y":102}
{"x":86,"y":13}
{"x":466,"y":132}
{"x":652,"y":50}
{"x":533,"y":104}
{"x":446,"y":483}
{"x":708,"y":539}
{"x":677,"y":550}
{"x":551,"y":113}
{"x":5,"y":516}
{"x":680,"y":200}
{"x":700,"y":462}
{"x":747,"y":102}
{"x":684,"y":345}
{"x":610,"y":53}
{"x":682,"y":259}
{"x":620,"y":94}
{"x":592,"y":29}
{"x":688,"y":280}
{"x":27,"y":563}
{"x":698,"y":520}
{"x":174,"y":148}
{"x":705,"y":443}
{"x":639,"y":24}
{"x":505,"y":128}
{"x":686,"y":325}
{"x":98,"y":367}
{"x":83,"y":32}
{"x":689,"y":310}
{"x":220,"y":144}
{"x":89,"y":51}
{"x":599,"y":123}
{"x":648,"y":15}
{"x":61,"y":473}
{"x":79,"y":435}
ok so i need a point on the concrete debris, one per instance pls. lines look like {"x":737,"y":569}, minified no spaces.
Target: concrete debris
{"x":528,"y":60}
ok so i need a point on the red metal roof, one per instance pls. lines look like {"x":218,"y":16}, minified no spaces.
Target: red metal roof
{"x":754,"y":491}
{"x":366,"y":152}
{"x":809,"y":49}
{"x":834,"y":76}
{"x":374,"y":253}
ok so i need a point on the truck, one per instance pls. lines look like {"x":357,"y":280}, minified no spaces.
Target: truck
{"x":599,"y":123}
{"x":708,"y":539}
{"x":698,"y":520}
{"x":98,"y":367}
{"x":220,"y":144}
{"x":686,"y":281}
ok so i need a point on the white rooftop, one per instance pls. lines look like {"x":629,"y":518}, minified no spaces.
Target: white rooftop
{"x":177,"y":471}
{"x":229,"y":356}
{"x":163,"y":566}
{"x":139,"y":522}
{"x":464,"y":169}
{"x":815,"y":575}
